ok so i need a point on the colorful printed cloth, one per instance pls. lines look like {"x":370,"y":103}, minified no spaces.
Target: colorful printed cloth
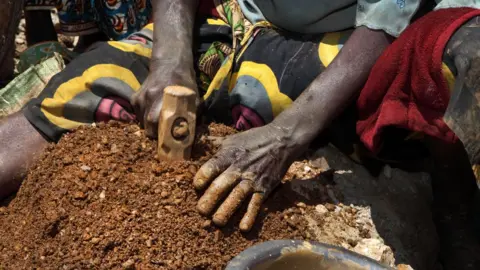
{"x":116,"y":18}
{"x":246,"y":86}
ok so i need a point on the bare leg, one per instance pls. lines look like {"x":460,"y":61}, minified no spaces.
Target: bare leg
{"x":454,"y":190}
{"x":20,"y":145}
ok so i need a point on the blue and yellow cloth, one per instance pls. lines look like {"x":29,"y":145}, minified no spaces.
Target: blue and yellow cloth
{"x":116,"y":18}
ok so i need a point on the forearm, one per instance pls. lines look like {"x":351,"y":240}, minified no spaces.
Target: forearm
{"x":333,"y":89}
{"x":173,"y":37}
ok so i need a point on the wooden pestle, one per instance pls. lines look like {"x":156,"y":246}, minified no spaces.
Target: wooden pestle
{"x":176,"y":124}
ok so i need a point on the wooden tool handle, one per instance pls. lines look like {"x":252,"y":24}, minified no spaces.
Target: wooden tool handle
{"x":176,"y":126}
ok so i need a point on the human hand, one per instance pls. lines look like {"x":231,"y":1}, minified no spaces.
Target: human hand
{"x":147,"y":102}
{"x":249,"y":164}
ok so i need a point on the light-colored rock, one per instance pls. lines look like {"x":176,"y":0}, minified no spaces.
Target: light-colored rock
{"x":321,"y":209}
{"x":375,"y":249}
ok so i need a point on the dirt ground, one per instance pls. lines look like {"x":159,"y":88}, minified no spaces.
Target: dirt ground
{"x":99,"y":199}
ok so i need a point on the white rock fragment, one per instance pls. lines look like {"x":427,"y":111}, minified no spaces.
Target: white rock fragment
{"x":301,"y":205}
{"x":321,"y":209}
{"x":375,"y":249}
{"x":343,"y":171}
{"x":85,"y":168}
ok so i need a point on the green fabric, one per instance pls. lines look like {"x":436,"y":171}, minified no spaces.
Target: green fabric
{"x":28,"y":84}
{"x":41,"y":51}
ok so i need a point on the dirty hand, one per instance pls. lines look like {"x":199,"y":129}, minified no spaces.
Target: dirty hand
{"x":147,"y":102}
{"x":249,"y":165}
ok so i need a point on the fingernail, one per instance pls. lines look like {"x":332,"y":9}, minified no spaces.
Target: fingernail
{"x":201,"y":178}
{"x":219,"y":220}
{"x":244,"y":227}
{"x":203,"y":209}
{"x":198,"y":181}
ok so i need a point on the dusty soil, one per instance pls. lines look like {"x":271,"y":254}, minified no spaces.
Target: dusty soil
{"x":100,"y":199}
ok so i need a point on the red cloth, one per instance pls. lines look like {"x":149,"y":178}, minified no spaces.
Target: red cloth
{"x":406,"y":87}
{"x":207,"y":7}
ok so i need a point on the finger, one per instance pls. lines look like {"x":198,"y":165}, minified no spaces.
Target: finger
{"x":218,"y":190}
{"x":151,"y":118}
{"x":253,"y":209}
{"x":232,"y":203}
{"x":211,"y":169}
{"x":136,"y":101}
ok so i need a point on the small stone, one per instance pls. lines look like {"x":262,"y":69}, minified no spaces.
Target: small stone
{"x":164,"y":194}
{"x":78,"y":195}
{"x":330,"y":207}
{"x":128,"y":265}
{"x":178,"y":201}
{"x":138,"y":133}
{"x":87,"y":236}
{"x":104,"y":140}
{"x":301,"y":205}
{"x":149,"y":243}
{"x":3,"y":210}
{"x":102,"y":195}
{"x":170,"y":209}
{"x":343,"y":172}
{"x":320,"y":163}
{"x":179,"y":178}
{"x":94,"y":125}
{"x":206,"y":224}
{"x":375,"y":249}
{"x":85,"y":168}
{"x":321,"y":209}
{"x":42,"y":258}
{"x":19,"y":41}
{"x":114,"y":148}
{"x":95,"y":240}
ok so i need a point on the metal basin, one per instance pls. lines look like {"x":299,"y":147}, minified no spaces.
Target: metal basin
{"x":294,"y":254}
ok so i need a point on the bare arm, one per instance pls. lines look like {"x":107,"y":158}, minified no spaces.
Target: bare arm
{"x":172,"y":58}
{"x":251,"y":164}
{"x":173,"y":37}
{"x":333,"y":89}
